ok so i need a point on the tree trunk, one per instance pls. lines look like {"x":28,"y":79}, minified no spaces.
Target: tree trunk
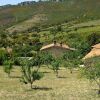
{"x":98,"y":83}
{"x":38,"y":68}
{"x":9,"y":75}
{"x":31,"y":86}
{"x":71,"y":71}
{"x":99,"y":92}
{"x":57,"y":74}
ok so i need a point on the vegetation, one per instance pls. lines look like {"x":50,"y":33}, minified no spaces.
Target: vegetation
{"x":25,"y":28}
{"x":55,"y":64}
{"x":93,"y":39}
{"x":67,"y":11}
{"x":8,"y":65}
{"x":92,"y":70}
{"x":71,"y":60}
{"x":3,"y":56}
{"x":49,"y":86}
{"x":30,"y":76}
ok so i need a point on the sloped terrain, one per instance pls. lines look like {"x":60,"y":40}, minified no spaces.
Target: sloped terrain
{"x":56,"y":12}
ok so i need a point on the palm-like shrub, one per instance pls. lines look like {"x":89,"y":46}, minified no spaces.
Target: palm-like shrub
{"x":28,"y":74}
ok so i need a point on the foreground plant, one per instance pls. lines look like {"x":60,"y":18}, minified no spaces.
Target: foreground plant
{"x":92,"y":71}
{"x":55,"y":64}
{"x":28,"y":75}
{"x":8,"y":66}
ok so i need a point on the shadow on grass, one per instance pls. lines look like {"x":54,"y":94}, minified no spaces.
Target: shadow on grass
{"x":46,"y":72}
{"x":15,"y":76}
{"x":41,"y":88}
{"x":62,"y":77}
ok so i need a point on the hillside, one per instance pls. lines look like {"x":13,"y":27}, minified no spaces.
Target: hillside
{"x":50,"y":13}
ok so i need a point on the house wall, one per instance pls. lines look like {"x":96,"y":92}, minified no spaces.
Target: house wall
{"x":56,"y":51}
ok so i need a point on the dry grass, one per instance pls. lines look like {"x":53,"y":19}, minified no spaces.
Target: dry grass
{"x":69,"y":87}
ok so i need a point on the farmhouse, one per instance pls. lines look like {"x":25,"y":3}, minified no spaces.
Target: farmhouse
{"x":56,"y":49}
{"x":94,"y":52}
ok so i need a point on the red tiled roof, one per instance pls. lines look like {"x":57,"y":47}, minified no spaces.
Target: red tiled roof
{"x":57,"y":45}
{"x":96,"y":46}
{"x":94,"y":52}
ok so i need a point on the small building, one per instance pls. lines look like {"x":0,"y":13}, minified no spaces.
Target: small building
{"x":56,"y":49}
{"x":94,"y":52}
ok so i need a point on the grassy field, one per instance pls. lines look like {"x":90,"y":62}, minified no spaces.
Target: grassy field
{"x":68,"y":87}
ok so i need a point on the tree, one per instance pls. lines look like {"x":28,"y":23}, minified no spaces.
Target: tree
{"x":30,"y":76}
{"x":83,"y":48}
{"x":3,"y":55}
{"x":92,"y":70}
{"x":69,"y":65}
{"x":93,"y":38}
{"x":59,"y":28}
{"x":55,"y":64}
{"x":71,"y":60}
{"x":53,"y":31}
{"x":3,"y":39}
{"x":47,"y":58}
{"x":8,"y":65}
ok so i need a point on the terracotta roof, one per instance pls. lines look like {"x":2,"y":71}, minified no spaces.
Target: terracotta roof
{"x":56,"y":45}
{"x":94,"y":52}
{"x":96,"y":46}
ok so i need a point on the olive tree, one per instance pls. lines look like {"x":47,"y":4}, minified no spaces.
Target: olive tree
{"x":55,"y":66}
{"x":93,"y":38}
{"x":28,"y":74}
{"x":71,"y":60}
{"x":47,"y":58}
{"x":92,"y":70}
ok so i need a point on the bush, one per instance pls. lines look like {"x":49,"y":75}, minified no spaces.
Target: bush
{"x":3,"y":56}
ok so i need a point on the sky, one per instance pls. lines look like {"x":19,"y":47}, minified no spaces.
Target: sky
{"x":4,"y":2}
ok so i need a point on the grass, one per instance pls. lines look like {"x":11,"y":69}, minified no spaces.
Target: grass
{"x":56,"y":12}
{"x":69,"y":87}
{"x":88,"y":23}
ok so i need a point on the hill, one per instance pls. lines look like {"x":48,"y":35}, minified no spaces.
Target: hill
{"x":50,"y":13}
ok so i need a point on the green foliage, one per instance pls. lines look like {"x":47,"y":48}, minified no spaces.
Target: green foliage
{"x":70,"y":55}
{"x":3,"y":39}
{"x":69,"y":65}
{"x":29,"y":76}
{"x":37,"y":75}
{"x":81,"y":46}
{"x":37,"y":46}
{"x":8,"y":65}
{"x":3,"y":56}
{"x":93,"y":38}
{"x":47,"y":58}
{"x":55,"y":13}
{"x":92,"y":70}
{"x":53,"y":31}
{"x":71,"y":60}
{"x":59,"y":28}
{"x":55,"y":64}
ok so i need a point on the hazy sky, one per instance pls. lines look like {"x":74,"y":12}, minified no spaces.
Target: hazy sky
{"x":4,"y":2}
